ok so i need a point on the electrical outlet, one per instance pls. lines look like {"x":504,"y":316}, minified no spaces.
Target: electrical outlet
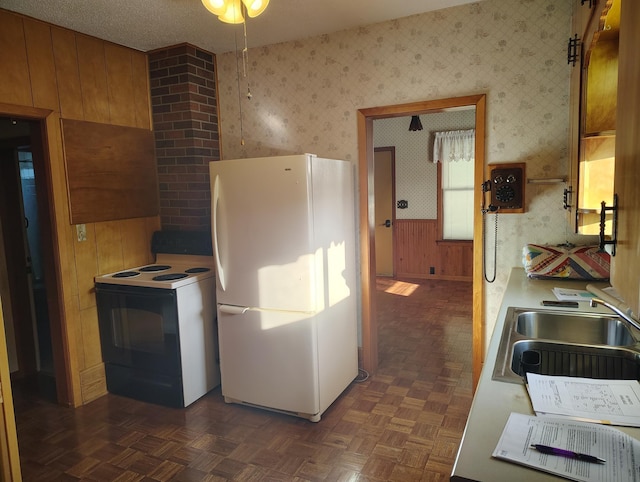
{"x":81,"y":231}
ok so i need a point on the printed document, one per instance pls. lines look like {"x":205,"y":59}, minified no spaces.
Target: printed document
{"x":614,"y":402}
{"x":620,"y":451}
{"x":566,"y":294}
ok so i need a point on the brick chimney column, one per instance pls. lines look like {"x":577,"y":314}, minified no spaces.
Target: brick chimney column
{"x":185,"y":124}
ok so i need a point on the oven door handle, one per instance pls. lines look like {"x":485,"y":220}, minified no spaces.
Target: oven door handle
{"x":216,"y":249}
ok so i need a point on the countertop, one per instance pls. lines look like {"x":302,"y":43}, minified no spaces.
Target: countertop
{"x":495,"y":400}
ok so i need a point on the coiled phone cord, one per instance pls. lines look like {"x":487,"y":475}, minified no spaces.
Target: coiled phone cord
{"x":484,"y":247}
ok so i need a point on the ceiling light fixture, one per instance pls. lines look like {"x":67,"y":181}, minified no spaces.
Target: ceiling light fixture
{"x":415,"y":125}
{"x":230,"y":11}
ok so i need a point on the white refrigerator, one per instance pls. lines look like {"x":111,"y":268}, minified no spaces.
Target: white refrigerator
{"x":284,"y":245}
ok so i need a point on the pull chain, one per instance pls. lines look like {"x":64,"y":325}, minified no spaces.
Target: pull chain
{"x":245,"y":61}
{"x":239,"y":94}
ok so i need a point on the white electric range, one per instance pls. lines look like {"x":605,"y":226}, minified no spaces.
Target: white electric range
{"x":157,"y":322}
{"x":170,"y":271}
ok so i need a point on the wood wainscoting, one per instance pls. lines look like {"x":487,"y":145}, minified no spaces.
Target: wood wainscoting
{"x":418,"y":249}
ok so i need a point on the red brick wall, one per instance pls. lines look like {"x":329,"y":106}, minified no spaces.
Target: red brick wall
{"x":185,"y":123}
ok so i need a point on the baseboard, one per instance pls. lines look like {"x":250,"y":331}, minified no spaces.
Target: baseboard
{"x":433,"y":277}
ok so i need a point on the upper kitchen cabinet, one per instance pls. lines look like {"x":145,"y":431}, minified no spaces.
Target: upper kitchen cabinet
{"x":111,"y":171}
{"x":625,"y":269}
{"x":594,"y":83}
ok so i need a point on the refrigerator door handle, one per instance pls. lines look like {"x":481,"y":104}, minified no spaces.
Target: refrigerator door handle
{"x":233,"y":309}
{"x":216,"y":249}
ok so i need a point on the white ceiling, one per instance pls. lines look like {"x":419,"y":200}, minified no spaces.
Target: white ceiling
{"x":150,"y":24}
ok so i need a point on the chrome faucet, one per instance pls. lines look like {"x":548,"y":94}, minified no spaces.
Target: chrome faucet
{"x":626,"y":317}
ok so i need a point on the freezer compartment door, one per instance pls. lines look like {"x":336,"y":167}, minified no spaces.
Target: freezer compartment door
{"x":269,"y":359}
{"x":263,"y":233}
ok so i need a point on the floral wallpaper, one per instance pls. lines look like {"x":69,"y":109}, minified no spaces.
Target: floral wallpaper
{"x":416,"y":174}
{"x":305,"y":95}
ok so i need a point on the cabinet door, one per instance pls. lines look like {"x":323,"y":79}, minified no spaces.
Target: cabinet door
{"x":594,"y":88}
{"x":584,"y":24}
{"x":626,"y":263}
{"x":580,"y":17}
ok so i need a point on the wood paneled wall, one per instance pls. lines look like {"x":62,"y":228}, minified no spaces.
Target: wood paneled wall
{"x":418,"y":249}
{"x":51,"y":73}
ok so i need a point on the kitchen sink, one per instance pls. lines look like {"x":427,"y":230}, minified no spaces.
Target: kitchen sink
{"x":570,"y":360}
{"x":591,"y":329}
{"x":567,"y":344}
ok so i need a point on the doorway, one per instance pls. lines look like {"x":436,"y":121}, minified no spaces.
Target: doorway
{"x":22,"y":272}
{"x":367,"y":219}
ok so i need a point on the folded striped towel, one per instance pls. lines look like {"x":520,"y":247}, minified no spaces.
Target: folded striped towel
{"x":566,"y":261}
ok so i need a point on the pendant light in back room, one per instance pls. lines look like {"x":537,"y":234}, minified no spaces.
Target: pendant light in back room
{"x":415,"y":125}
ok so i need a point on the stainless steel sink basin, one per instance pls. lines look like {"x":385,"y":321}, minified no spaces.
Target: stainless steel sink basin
{"x":566,"y":343}
{"x":569,"y":360}
{"x":591,"y":329}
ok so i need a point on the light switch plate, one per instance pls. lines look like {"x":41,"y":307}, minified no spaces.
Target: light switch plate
{"x":81,"y":231}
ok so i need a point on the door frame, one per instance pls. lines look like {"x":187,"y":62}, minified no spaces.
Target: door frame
{"x":42,"y":143}
{"x":365,"y":118}
{"x":9,"y":451}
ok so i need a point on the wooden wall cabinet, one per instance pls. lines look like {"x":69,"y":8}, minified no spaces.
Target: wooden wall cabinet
{"x":594,"y":83}
{"x":111,"y":171}
{"x":625,"y":267}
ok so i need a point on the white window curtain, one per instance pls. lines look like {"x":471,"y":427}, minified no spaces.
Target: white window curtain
{"x":455,"y":150}
{"x":454,"y":146}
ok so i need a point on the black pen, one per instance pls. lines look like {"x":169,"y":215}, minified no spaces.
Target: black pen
{"x":545,"y":449}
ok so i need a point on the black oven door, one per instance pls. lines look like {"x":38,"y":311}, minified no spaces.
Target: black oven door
{"x":139,"y":328}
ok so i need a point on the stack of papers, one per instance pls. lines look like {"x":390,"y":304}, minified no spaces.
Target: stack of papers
{"x":619,"y":450}
{"x":613,"y":402}
{"x":575,"y":414}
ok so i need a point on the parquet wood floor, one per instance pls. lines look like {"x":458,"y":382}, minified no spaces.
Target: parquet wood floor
{"x":402,"y":424}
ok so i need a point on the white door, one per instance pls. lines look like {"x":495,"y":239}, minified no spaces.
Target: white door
{"x":262,"y":232}
{"x":269,"y":359}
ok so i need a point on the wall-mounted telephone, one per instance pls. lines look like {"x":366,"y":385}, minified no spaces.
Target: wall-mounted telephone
{"x":506,"y":192}
{"x":506,"y":187}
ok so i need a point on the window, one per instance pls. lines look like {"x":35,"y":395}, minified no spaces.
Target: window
{"x":457,"y":200}
{"x":455,"y":152}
